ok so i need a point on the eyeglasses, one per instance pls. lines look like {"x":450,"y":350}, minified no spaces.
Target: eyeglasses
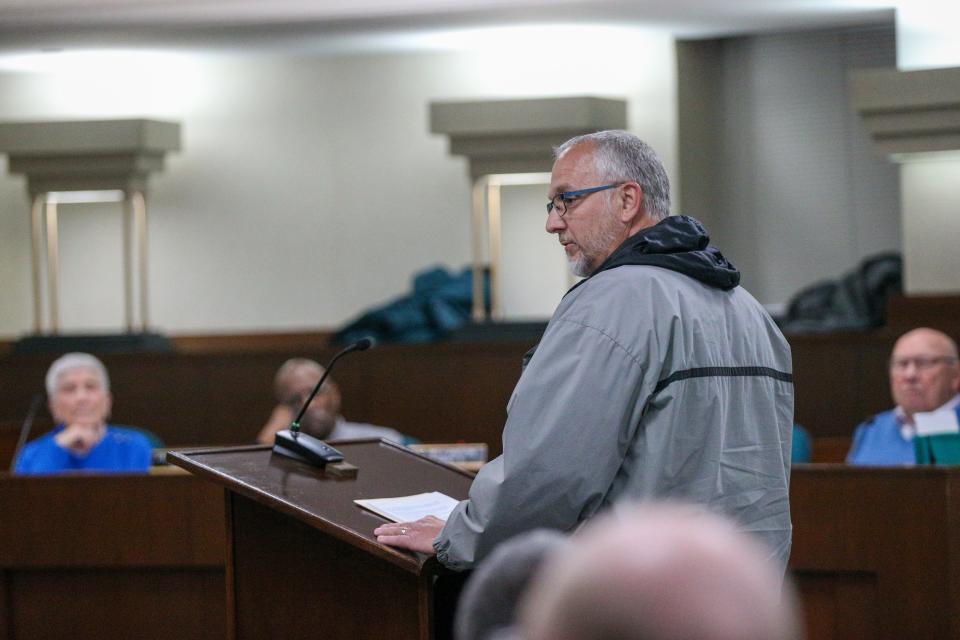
{"x":922,"y":363}
{"x":561,"y":201}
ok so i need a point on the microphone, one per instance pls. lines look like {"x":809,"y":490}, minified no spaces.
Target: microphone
{"x":291,"y":443}
{"x":25,"y":428}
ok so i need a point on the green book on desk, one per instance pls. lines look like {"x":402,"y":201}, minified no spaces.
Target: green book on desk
{"x":938,"y":437}
{"x":938,"y":449}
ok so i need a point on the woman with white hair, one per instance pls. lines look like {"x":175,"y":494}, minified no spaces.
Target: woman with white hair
{"x":78,"y":392}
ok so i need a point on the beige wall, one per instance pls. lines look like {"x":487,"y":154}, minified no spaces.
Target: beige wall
{"x":931,"y":196}
{"x":930,"y":183}
{"x":308,"y":188}
{"x":777,"y":165}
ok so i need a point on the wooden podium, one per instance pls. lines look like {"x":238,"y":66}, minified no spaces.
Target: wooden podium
{"x":302,"y":559}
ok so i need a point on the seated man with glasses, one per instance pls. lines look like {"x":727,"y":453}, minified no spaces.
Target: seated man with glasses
{"x":924,"y":376}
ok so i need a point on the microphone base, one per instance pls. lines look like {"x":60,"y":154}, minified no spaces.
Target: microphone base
{"x":300,"y":446}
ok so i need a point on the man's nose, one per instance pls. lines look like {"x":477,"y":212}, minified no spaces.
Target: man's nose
{"x":555,"y":224}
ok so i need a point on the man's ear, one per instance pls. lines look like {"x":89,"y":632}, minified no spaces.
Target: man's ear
{"x":631,"y":202}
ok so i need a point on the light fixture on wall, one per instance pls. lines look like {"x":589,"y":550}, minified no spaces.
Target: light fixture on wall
{"x":908,"y":112}
{"x":84,"y":197}
{"x":510,"y":142}
{"x":86,"y":162}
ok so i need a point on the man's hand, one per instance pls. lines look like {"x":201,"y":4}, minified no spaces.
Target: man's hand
{"x":80,"y":437}
{"x":416,"y":536}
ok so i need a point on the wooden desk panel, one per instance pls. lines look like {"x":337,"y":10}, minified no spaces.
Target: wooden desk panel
{"x":115,"y":603}
{"x":438,"y":392}
{"x":217,"y":390}
{"x":112,"y":557}
{"x":876,"y":552}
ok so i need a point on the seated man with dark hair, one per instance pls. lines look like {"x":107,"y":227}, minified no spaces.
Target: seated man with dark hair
{"x":78,"y":391}
{"x":292,"y":385}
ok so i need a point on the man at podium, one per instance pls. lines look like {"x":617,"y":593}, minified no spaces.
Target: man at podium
{"x":657,"y":376}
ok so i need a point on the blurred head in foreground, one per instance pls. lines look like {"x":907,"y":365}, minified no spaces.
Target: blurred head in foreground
{"x":489,"y":600}
{"x":659,"y":572}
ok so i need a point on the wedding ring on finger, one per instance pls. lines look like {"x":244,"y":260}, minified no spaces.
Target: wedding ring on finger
{"x":403,"y":531}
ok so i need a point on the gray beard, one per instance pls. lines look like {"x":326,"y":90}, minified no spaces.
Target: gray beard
{"x":606,"y":236}
{"x":580,"y":266}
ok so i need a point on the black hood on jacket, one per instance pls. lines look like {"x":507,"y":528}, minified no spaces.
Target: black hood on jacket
{"x":678,"y":243}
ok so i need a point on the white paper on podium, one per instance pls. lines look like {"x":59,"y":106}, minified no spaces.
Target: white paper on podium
{"x":936,"y":423}
{"x":410,"y":508}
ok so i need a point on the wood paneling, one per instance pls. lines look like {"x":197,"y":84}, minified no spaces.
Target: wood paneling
{"x":831,"y":449}
{"x":839,"y":606}
{"x":875,"y":551}
{"x":104,"y":521}
{"x":218,"y":389}
{"x":247,"y":342}
{"x":112,"y":557}
{"x":121,"y":604}
{"x":436,"y":393}
{"x":840,"y":380}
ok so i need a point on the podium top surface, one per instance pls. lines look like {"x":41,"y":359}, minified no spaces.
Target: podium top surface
{"x":324,"y":501}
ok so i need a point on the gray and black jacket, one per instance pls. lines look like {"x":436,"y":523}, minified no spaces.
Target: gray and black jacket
{"x":657,"y":378}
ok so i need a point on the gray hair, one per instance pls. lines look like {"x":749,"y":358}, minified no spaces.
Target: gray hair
{"x":72,"y":361}
{"x":622,"y":156}
{"x":660,"y":570}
